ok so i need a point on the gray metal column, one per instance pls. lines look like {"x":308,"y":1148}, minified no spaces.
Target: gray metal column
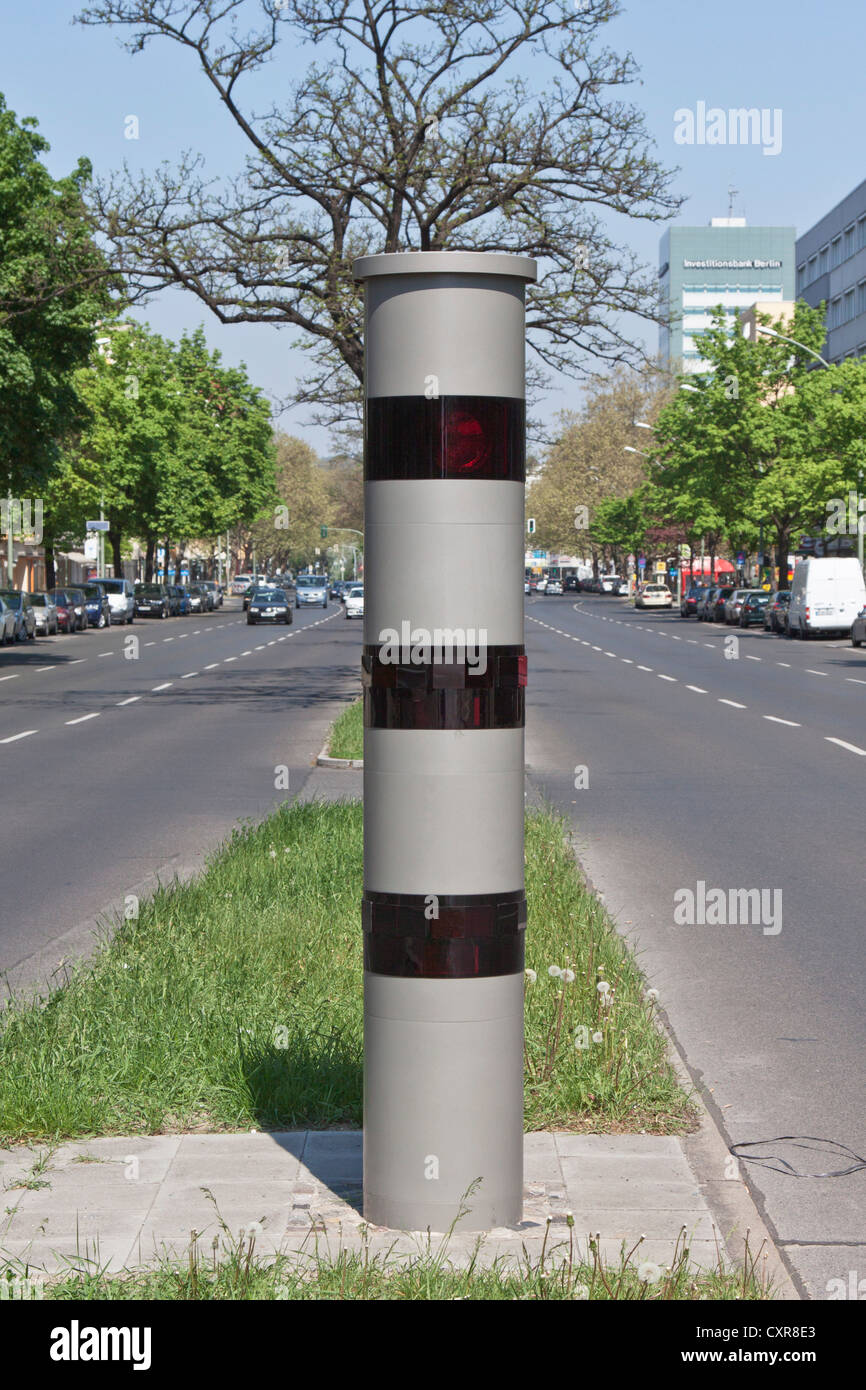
{"x":444,"y":676}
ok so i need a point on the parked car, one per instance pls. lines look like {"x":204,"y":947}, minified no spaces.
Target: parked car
{"x":78,"y":601}
{"x":691,"y":599}
{"x":197,"y":599}
{"x":827,"y":594}
{"x":734,"y":605}
{"x":270,"y":605}
{"x":152,"y":601}
{"x":654,"y":596}
{"x":610,"y":583}
{"x":355,"y":601}
{"x":214,"y":590}
{"x":776,"y":612}
{"x":241,"y":583}
{"x":705,"y":602}
{"x":311,"y":589}
{"x":7,"y":624}
{"x":121,"y":598}
{"x":554,"y":586}
{"x":45,"y":613}
{"x":97,"y":604}
{"x":572,"y":584}
{"x":67,"y":620}
{"x":717,"y":613}
{"x":753,"y":608}
{"x":25,"y":618}
{"x":858,"y":629}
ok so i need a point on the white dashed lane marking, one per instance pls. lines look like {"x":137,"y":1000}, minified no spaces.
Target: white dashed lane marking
{"x":13,"y":738}
{"x":131,"y":701}
{"x":850,"y":747}
{"x":774,"y":719}
{"x":82,"y":718}
{"x":164,"y":686}
{"x":735,"y":704}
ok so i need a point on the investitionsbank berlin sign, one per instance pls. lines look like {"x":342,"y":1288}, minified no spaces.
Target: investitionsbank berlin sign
{"x":752,"y":264}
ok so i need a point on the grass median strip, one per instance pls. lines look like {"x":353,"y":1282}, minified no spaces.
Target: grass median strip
{"x":347,"y":733}
{"x":235,"y":1000}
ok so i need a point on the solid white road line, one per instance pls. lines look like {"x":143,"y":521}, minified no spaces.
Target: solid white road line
{"x":774,"y":719}
{"x":851,"y":747}
{"x":82,"y":718}
{"x":13,"y":738}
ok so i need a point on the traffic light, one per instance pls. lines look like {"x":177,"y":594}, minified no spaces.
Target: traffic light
{"x":530,"y":526}
{"x":323,"y":532}
{"x":444,"y":676}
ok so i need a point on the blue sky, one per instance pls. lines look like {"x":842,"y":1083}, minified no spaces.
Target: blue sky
{"x":804,"y":60}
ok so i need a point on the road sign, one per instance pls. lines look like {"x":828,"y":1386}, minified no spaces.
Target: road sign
{"x":96,"y":525}
{"x":444,"y":900}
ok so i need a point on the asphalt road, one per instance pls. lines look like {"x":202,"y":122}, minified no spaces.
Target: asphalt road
{"x":120,"y":771}
{"x":741,"y":766}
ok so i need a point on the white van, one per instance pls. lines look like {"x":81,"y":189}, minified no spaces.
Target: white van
{"x":827,"y":593}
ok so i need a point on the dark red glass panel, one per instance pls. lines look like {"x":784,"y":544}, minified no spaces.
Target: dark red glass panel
{"x":410,"y":437}
{"x":474,"y":934}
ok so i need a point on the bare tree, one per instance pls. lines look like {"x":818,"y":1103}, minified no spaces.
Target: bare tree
{"x":483,"y":125}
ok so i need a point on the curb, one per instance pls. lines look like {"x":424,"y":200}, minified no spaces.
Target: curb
{"x":706,"y":1150}
{"x":325,"y":760}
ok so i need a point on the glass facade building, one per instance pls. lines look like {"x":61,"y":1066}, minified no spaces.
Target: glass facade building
{"x":727,"y":263}
{"x":831,"y":269}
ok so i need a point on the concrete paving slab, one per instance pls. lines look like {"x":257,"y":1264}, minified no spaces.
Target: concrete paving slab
{"x":303,"y":1192}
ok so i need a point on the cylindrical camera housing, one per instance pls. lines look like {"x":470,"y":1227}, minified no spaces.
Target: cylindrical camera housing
{"x":444,"y":675}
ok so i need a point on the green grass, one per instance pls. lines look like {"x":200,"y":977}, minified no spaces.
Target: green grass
{"x":347,"y":732}
{"x":236,"y":1000}
{"x":234,"y":1272}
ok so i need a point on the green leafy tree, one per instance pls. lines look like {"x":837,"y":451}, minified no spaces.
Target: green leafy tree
{"x":54,"y":285}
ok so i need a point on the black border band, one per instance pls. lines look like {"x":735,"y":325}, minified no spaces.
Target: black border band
{"x":474,"y":437}
{"x":471,"y":934}
{"x":448,"y":695}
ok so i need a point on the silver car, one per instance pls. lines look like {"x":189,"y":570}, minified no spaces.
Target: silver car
{"x":734,"y":605}
{"x":311,"y":589}
{"x":7,"y":624}
{"x":45,"y":613}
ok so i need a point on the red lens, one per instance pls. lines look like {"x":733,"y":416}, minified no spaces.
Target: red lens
{"x":467,"y":446}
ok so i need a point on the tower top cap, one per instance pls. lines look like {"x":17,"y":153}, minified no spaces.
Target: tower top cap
{"x":445,"y":263}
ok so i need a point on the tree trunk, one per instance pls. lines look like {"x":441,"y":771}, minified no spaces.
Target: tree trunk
{"x":782,"y":542}
{"x":148,"y":559}
{"x":115,"y":539}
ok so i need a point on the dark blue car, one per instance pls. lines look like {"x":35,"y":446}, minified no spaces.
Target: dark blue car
{"x":97,"y":605}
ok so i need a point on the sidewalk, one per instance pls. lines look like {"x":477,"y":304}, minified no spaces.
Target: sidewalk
{"x":125,"y":1200}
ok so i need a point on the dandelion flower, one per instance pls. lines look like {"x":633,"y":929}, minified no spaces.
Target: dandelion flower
{"x":598,"y":1037}
{"x":554,"y":972}
{"x":581,"y":1292}
{"x":652,"y":995}
{"x":567,"y":977}
{"x":603,"y":987}
{"x":531,"y":976}
{"x":648,"y":1272}
{"x":272,"y":853}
